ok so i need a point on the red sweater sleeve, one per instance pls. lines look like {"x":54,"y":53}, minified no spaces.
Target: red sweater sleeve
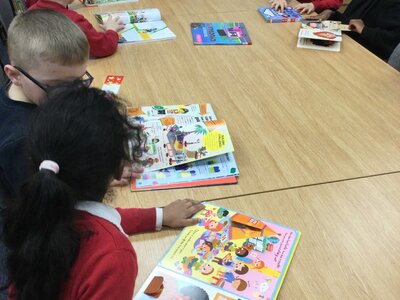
{"x":136,"y":220}
{"x":320,"y":5}
{"x":101,"y":43}
{"x":113,"y":278}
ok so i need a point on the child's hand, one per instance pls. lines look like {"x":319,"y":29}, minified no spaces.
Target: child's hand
{"x":179,"y":212}
{"x":279,"y":4}
{"x":114,"y":24}
{"x":356,"y":25}
{"x":322,"y":16}
{"x":305,"y":8}
{"x":127,"y":173}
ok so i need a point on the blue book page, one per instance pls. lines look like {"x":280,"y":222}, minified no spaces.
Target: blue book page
{"x":218,"y":33}
{"x":216,"y":167}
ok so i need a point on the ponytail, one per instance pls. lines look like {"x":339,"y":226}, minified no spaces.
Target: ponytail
{"x":40,"y":235}
{"x":85,"y":131}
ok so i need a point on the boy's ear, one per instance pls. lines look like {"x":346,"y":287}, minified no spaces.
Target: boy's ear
{"x":13,"y":74}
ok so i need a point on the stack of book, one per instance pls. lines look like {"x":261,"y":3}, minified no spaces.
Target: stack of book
{"x":186,"y":146}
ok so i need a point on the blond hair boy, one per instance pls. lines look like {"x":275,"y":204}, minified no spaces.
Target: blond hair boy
{"x":46,"y":50}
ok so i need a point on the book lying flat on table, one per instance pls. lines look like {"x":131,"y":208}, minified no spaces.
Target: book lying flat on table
{"x":218,"y":33}
{"x":104,"y":2}
{"x":140,"y":25}
{"x":271,"y":15}
{"x":228,"y":255}
{"x":325,"y":35}
{"x":221,"y":169}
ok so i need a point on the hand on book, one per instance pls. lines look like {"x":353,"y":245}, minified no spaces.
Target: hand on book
{"x":127,"y":174}
{"x":179,"y":213}
{"x":356,"y":25}
{"x":114,"y":24}
{"x":279,"y":4}
{"x":322,"y":16}
{"x":305,"y":8}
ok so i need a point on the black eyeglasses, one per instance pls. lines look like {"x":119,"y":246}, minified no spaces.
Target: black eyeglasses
{"x":86,"y":80}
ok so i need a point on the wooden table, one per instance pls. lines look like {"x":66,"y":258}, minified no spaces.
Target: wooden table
{"x":349,"y":248}
{"x":317,"y":139}
{"x":297,"y":117}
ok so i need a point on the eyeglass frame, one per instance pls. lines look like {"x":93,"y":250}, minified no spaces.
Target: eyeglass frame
{"x":85,"y":82}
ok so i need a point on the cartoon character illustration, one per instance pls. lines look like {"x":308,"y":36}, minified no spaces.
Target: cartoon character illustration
{"x":193,"y":263}
{"x":260,"y":266}
{"x":223,"y":277}
{"x":225,"y":261}
{"x":242,"y":252}
{"x":213,"y":225}
{"x":205,"y":249}
{"x":240,"y":268}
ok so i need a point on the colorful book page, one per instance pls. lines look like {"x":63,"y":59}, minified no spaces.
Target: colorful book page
{"x":218,"y":33}
{"x":240,"y":255}
{"x":162,"y":110}
{"x":145,"y":32}
{"x":271,"y":15}
{"x":176,"y":144}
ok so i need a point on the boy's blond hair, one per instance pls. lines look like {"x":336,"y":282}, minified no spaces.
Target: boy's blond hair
{"x":41,"y":35}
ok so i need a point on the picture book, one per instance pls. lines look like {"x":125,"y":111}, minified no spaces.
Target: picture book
{"x":140,"y":25}
{"x":176,"y":144}
{"x":325,"y":35}
{"x":220,"y":169}
{"x":227,"y":255}
{"x":104,"y":2}
{"x":218,"y":33}
{"x":271,"y":15}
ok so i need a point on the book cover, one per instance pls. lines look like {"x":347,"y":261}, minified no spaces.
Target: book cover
{"x":271,"y":15}
{"x":218,"y":33}
{"x":140,"y":25}
{"x":228,"y":255}
{"x":324,"y":36}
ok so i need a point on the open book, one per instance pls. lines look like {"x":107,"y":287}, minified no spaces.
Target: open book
{"x":271,"y":15}
{"x":176,"y":139}
{"x":217,"y":170}
{"x":228,"y":255}
{"x":218,"y":33}
{"x":140,"y":25}
{"x":104,"y":2}
{"x":325,"y":35}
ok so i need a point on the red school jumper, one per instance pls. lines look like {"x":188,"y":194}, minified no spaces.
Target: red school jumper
{"x":101,"y":43}
{"x":106,"y":267}
{"x":320,"y":5}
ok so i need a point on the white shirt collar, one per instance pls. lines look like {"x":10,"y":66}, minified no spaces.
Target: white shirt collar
{"x":101,"y":210}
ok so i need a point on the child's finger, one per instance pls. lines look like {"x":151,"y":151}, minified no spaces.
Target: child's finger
{"x":190,"y":222}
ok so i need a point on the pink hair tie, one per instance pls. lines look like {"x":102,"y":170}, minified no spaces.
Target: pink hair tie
{"x":49,"y":165}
